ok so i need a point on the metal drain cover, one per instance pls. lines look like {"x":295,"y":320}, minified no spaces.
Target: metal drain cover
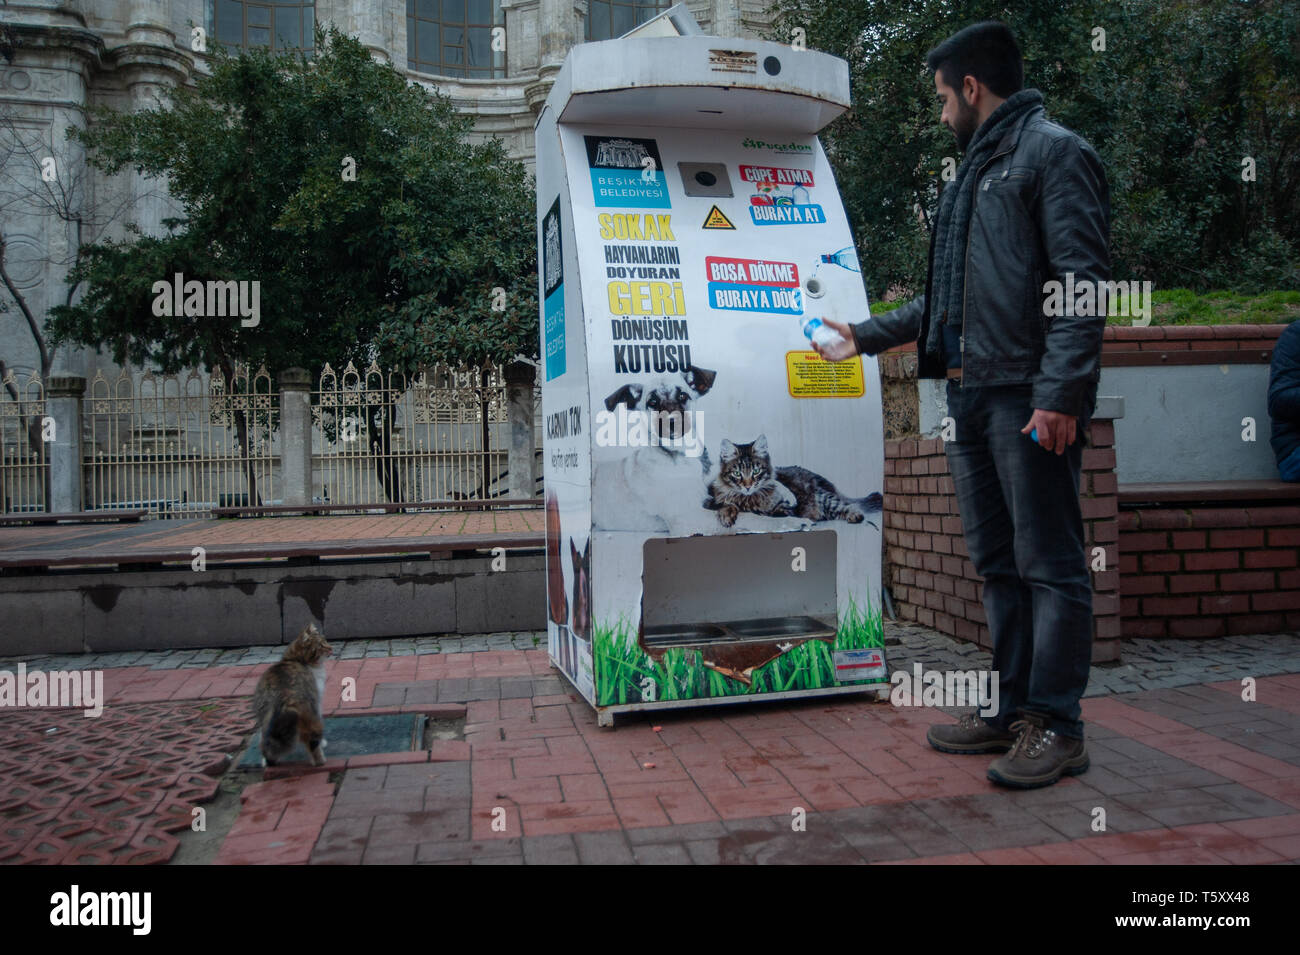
{"x":353,"y":736}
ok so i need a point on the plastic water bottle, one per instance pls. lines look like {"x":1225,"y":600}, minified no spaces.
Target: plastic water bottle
{"x":817,"y":332}
{"x":845,"y":258}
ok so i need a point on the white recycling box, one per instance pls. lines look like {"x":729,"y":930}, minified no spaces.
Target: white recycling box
{"x":713,"y":487}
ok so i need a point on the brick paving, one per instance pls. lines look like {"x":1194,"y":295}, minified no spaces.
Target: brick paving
{"x":279,"y":821}
{"x":1184,"y":772}
{"x":104,"y":542}
{"x":113,"y":789}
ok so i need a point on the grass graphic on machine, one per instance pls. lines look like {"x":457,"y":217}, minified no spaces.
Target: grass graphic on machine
{"x":626,"y":673}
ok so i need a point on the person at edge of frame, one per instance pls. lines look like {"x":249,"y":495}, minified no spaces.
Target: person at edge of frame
{"x":1284,"y":402}
{"x":1029,"y":204}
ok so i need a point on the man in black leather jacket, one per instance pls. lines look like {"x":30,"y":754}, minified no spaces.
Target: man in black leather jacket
{"x":1029,"y":206}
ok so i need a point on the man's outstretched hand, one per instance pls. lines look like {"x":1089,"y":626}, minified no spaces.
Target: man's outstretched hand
{"x":841,"y":350}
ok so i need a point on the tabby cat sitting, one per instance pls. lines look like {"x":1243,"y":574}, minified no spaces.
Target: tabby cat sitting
{"x":287,"y":700}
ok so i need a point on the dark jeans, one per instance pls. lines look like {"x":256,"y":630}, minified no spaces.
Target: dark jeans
{"x":1019,"y":506}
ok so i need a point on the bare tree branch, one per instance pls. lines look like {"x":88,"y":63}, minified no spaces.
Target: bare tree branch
{"x":27,"y":195}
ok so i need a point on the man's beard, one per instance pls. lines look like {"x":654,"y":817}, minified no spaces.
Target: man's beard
{"x":966,"y":123}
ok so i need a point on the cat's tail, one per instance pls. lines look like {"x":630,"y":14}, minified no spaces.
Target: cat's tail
{"x":872,"y":503}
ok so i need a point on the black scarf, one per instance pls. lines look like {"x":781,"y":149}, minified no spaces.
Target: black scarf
{"x":952,"y":222}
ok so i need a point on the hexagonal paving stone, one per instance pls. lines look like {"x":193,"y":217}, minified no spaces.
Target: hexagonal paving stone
{"x":111,"y":789}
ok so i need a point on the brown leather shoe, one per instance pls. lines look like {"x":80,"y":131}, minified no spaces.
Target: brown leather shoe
{"x":970,"y":734}
{"x":1039,"y":756}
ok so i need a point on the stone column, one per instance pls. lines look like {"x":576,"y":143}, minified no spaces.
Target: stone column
{"x":520,"y":378}
{"x":148,"y":21}
{"x":151,"y":61}
{"x":375,"y":24}
{"x":557,"y":30}
{"x":726,"y":18}
{"x":63,"y":405}
{"x":523,"y":45}
{"x":295,"y":436}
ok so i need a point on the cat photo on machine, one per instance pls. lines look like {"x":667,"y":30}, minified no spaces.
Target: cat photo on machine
{"x":746,"y":480}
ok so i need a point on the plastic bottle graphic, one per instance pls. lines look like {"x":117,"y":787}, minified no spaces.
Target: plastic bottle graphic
{"x":846,"y":258}
{"x":816,"y":331}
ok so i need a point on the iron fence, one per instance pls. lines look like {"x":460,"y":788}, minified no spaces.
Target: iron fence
{"x":180,"y":445}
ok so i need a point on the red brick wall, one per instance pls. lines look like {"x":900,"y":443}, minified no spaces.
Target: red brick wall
{"x":928,"y":569}
{"x":1254,"y":341}
{"x":1209,"y":572}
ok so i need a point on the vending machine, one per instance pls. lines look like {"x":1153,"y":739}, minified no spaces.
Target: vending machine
{"x":713,"y":486}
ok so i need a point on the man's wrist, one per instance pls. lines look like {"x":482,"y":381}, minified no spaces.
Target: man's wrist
{"x":858,"y":340}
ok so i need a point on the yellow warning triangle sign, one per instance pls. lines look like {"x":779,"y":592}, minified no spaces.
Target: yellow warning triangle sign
{"x":716,"y":220}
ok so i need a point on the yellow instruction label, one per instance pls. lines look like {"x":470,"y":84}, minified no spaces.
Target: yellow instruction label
{"x":808,"y":375}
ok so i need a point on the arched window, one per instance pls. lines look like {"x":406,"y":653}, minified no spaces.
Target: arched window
{"x":454,"y":38}
{"x":607,"y":19}
{"x":285,"y":24}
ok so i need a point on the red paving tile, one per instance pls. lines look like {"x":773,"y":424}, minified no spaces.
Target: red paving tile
{"x":546,"y":768}
{"x":1233,"y":847}
{"x":109,"y":788}
{"x":1065,"y":853}
{"x":826,"y":797}
{"x":279,"y":821}
{"x":1283,"y":790}
{"x":686,"y":808}
{"x":523,"y":792}
{"x":1185,"y":856}
{"x":1110,"y":846}
{"x":583,"y":786}
{"x":593,"y":815}
{"x":640,"y":812}
{"x":1282,"y":692}
{"x":1266,"y":827}
{"x":1287,"y":846}
{"x":963,"y":858}
{"x":1009,"y":857}
{"x":495,"y":822}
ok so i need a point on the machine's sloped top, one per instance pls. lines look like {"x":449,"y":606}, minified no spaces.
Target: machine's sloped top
{"x":702,"y":81}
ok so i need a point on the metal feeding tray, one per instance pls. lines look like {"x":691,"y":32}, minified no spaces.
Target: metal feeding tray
{"x":738,"y":631}
{"x":772,"y":627}
{"x":672,"y":635}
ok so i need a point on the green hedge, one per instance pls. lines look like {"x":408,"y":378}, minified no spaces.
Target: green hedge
{"x":1180,"y":306}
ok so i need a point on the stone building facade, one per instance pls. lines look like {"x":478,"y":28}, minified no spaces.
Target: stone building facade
{"x":59,"y":58}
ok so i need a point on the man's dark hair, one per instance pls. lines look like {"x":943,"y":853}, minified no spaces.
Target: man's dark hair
{"x":986,"y":51}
